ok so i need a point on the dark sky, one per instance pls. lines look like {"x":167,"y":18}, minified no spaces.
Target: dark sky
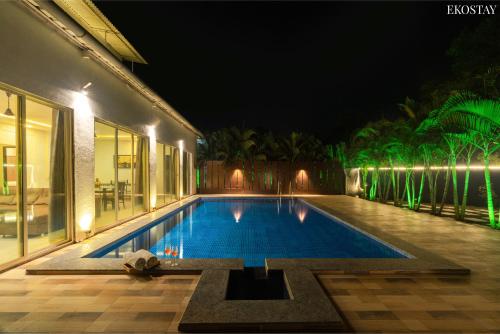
{"x":325,"y":67}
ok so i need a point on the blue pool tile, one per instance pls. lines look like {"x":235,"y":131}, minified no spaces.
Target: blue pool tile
{"x":253,"y":229}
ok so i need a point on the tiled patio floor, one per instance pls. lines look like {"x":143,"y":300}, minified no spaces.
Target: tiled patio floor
{"x":82,"y":303}
{"x":91,"y":303}
{"x":390,"y":303}
{"x":431,"y":303}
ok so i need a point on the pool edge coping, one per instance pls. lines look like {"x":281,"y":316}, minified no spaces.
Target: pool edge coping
{"x":76,"y":262}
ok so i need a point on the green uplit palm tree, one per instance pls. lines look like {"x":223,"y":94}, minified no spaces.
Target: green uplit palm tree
{"x":475,"y":121}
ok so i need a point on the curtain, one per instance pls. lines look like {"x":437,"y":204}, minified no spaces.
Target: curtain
{"x":57,"y":191}
{"x":140,"y":169}
{"x":176,"y":161}
{"x":184,"y":173}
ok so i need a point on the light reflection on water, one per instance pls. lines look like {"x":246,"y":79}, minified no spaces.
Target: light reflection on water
{"x":253,"y":230}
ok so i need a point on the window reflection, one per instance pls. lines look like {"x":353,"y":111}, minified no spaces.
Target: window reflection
{"x":165,"y":175}
{"x":160,"y":175}
{"x":45,"y":204}
{"x":121,"y":174}
{"x":125,"y":162}
{"x":187,"y":168}
{"x":105,"y":178}
{"x":10,"y":242}
{"x":139,"y":169}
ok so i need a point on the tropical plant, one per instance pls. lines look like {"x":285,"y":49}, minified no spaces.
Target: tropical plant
{"x":476,"y":122}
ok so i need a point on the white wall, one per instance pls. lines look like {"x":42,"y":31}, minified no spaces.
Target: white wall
{"x":38,"y":59}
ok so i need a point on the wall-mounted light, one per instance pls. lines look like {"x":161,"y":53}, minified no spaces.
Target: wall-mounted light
{"x":85,"y":87}
{"x":81,"y":104}
{"x":85,"y":54}
{"x":85,"y":223}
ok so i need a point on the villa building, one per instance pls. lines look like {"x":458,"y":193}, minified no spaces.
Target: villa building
{"x":85,"y":145}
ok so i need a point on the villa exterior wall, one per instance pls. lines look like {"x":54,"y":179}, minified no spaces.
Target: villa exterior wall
{"x":39,"y":60}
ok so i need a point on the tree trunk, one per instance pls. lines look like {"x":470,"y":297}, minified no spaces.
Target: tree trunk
{"x":388,"y":187}
{"x":489,"y":193}
{"x":466,"y":191}
{"x":373,"y":187}
{"x":364,"y":178}
{"x":421,"y":191}
{"x":456,"y":205}
{"x":396,"y":199}
{"x":435,"y":180}
{"x":408,"y":189}
{"x":445,"y":193}
{"x":394,"y":188}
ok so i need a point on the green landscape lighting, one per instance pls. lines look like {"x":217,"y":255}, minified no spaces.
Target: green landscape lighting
{"x":420,"y":168}
{"x":446,"y":141}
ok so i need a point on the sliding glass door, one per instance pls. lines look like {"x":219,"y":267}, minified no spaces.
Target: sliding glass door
{"x":187,"y":168}
{"x":121,"y":167}
{"x":11,"y":241}
{"x":165,"y":175}
{"x":160,"y":175}
{"x":35,"y":177}
{"x":46,"y":179}
{"x":105,"y":174}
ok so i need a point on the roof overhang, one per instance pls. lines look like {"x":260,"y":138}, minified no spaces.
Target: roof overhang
{"x":57,"y":18}
{"x":87,"y":15}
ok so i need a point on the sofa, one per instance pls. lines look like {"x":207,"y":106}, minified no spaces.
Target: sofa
{"x":37,"y":209}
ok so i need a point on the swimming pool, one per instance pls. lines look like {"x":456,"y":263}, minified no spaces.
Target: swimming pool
{"x":252,"y":229}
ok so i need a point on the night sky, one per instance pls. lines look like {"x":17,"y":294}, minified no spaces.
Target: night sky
{"x":325,"y":68}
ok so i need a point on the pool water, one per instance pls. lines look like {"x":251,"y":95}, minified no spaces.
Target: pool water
{"x":252,"y":229}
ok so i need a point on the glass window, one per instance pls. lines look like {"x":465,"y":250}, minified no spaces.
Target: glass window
{"x":186,"y":173}
{"x":160,"y":175}
{"x":121,"y":174}
{"x":165,"y":175}
{"x":170,"y":174}
{"x":125,"y":162}
{"x":45,"y":201}
{"x":105,"y":175}
{"x":140,"y":167}
{"x":11,"y":244}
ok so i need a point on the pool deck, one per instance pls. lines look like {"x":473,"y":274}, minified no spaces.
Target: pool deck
{"x":420,"y":302}
{"x":390,"y":302}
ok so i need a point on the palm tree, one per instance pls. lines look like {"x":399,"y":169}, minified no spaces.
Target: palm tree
{"x":362,"y":148}
{"x":476,"y":121}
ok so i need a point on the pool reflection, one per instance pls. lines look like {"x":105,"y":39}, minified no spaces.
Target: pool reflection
{"x":252,"y":229}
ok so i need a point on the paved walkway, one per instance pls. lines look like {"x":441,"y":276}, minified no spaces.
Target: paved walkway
{"x":432,"y":303}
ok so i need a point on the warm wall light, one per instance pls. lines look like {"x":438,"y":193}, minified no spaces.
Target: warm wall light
{"x":81,"y":103}
{"x":85,"y":54}
{"x":181,"y":145}
{"x":84,"y":88}
{"x":152,"y":132}
{"x":87,"y":85}
{"x":85,"y":222}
